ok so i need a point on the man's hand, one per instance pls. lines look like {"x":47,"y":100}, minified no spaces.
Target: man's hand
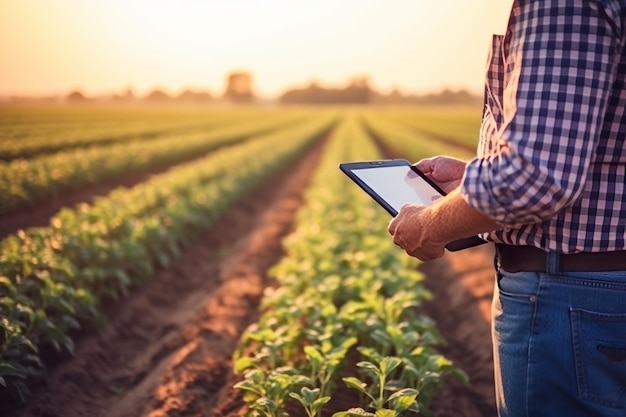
{"x":445,"y":171}
{"x":413,"y":229}
{"x":410,"y":231}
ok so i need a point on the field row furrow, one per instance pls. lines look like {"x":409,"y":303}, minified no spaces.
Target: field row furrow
{"x":408,"y":143}
{"x":52,"y":278}
{"x":343,"y":330}
{"x":30,"y":141}
{"x":27,"y":182}
{"x":455,"y":126}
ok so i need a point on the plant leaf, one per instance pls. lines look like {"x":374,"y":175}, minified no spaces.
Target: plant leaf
{"x":383,"y":412}
{"x":354,"y":412}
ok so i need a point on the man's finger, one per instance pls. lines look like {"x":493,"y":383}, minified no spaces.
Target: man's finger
{"x":398,"y":241}
{"x":393,"y":225}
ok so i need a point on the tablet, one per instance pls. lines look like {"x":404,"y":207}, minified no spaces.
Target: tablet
{"x":396,"y":182}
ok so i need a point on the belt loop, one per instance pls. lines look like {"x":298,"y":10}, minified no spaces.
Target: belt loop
{"x":553,"y":263}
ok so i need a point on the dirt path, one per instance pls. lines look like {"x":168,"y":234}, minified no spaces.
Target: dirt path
{"x":167,"y":350}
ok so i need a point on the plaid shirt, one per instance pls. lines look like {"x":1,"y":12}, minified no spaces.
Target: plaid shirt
{"x":551,"y":161}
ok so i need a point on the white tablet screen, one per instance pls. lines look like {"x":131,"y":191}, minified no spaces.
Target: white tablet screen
{"x":398,"y":185}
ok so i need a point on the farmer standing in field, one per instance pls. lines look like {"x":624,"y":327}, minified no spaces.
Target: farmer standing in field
{"x":548,"y":187}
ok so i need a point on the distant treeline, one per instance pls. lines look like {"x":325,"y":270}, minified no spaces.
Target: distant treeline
{"x":359,"y":92}
{"x":356,"y":92}
{"x":239,"y":89}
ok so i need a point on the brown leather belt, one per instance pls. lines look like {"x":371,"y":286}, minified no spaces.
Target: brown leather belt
{"x":532,"y":259}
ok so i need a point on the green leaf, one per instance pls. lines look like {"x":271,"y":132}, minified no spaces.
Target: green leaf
{"x":298,"y":397}
{"x":321,"y":401}
{"x":67,"y":307}
{"x":355,"y":383}
{"x":309,"y":394}
{"x":6,"y":283}
{"x":404,"y":392}
{"x":264,"y":403}
{"x":243,"y":363}
{"x":403,"y":399}
{"x":248,"y":386}
{"x":314,"y":356}
{"x":354,"y":412}
{"x":383,"y":412}
{"x":381,"y":337}
{"x":389,"y":364}
{"x":69,"y":344}
{"x":9,"y":369}
{"x":256,"y":375}
{"x":368,"y":365}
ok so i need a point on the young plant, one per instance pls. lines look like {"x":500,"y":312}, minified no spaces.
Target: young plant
{"x":325,"y":363}
{"x":378,"y":392}
{"x":266,"y":392}
{"x":310,"y":400}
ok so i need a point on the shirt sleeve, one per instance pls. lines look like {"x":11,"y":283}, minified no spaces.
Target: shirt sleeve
{"x":559,"y":61}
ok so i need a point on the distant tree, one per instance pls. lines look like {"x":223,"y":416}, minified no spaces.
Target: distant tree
{"x":157,"y":95}
{"x":239,"y":87}
{"x":194,"y":96}
{"x":356,"y":92}
{"x":447,"y":96}
{"x":126,"y":95}
{"x":76,"y":96}
{"x":444,"y":97}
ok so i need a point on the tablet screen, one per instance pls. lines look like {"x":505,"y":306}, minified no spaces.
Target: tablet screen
{"x":398,"y":185}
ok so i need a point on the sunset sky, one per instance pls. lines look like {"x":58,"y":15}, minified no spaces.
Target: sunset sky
{"x":100,"y":47}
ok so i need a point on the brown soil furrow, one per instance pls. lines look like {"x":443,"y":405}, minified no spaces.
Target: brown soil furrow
{"x":167,"y":349}
{"x":461,"y":309}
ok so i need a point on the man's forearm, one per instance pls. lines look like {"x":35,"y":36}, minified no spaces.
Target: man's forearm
{"x":451,"y":218}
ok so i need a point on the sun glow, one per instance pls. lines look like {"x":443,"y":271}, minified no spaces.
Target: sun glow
{"x":411,"y":44}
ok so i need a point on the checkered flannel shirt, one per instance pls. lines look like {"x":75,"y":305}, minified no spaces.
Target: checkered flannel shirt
{"x":551,"y":160}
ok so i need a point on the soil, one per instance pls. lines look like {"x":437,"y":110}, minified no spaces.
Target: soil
{"x":166,"y":350}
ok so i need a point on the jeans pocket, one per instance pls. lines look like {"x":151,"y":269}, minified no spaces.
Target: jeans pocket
{"x":518,"y":286}
{"x":599,"y":341}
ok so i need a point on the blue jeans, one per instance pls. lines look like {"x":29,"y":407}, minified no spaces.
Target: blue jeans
{"x":560,"y":344}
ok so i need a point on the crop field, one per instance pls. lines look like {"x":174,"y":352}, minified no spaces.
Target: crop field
{"x":213,"y":261}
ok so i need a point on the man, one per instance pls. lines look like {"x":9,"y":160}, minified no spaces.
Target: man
{"x":548,"y":187}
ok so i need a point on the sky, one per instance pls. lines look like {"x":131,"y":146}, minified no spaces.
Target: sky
{"x":50,"y":47}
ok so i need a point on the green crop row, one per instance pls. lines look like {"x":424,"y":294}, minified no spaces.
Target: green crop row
{"x":345,"y":312}
{"x":407,"y":142}
{"x":26,"y":141}
{"x":453,"y":125}
{"x":34,"y":142}
{"x":52,"y":278}
{"x":26,"y":182}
